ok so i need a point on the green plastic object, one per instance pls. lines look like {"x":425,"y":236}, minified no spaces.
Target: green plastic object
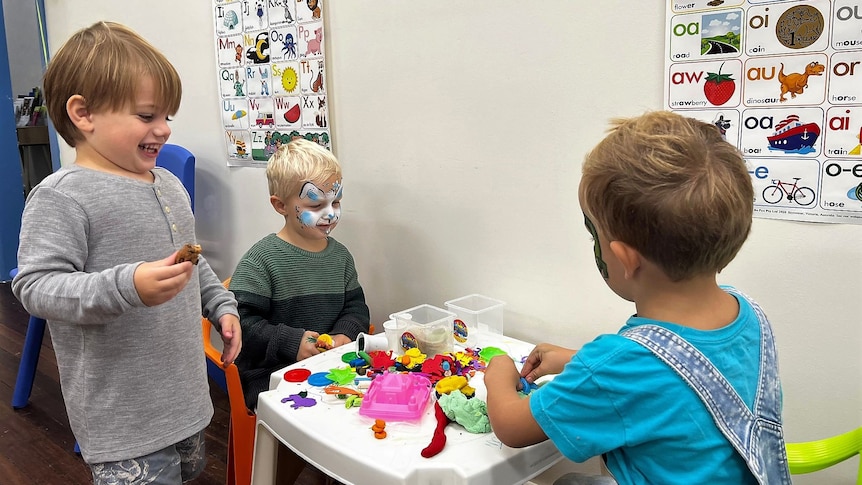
{"x":488,"y":353}
{"x":811,"y":456}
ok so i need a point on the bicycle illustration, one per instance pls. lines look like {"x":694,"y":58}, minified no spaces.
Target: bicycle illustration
{"x":776,"y":192}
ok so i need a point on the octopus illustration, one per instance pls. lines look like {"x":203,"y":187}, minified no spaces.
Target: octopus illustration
{"x":289,"y":49}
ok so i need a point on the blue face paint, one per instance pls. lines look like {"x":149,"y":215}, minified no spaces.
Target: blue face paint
{"x":597,"y":247}
{"x":319,"y":208}
{"x":307,"y":218}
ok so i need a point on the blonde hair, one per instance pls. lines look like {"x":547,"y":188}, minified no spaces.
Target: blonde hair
{"x":674,"y":189}
{"x":297,"y":162}
{"x":104,"y":63}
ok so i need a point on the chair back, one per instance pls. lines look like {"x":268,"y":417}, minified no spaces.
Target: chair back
{"x":812,"y":456}
{"x":181,"y":163}
{"x":240,"y":450}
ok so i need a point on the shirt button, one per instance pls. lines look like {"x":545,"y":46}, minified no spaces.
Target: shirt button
{"x":167,"y":209}
{"x":159,"y":192}
{"x":174,"y":227}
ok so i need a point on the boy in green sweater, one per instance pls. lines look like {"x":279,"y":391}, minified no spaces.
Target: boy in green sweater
{"x":299,"y":283}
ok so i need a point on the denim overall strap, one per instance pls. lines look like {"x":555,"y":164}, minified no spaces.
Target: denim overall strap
{"x":756,"y":436}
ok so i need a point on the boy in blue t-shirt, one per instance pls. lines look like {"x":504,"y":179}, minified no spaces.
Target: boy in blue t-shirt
{"x":668,"y":203}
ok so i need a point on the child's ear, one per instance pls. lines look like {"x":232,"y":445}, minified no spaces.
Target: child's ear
{"x":629,"y":257}
{"x":79,"y":113}
{"x":278,"y":205}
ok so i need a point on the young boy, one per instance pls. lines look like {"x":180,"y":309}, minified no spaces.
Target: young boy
{"x":668,"y":203}
{"x":295,"y":285}
{"x":97,"y":254}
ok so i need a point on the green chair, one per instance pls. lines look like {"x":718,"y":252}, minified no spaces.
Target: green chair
{"x":812,"y":456}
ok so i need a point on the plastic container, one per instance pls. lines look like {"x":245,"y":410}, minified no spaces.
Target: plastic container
{"x":393,"y":336}
{"x":396,"y":397}
{"x":475,"y":314}
{"x":427,"y":327}
{"x":370,"y":343}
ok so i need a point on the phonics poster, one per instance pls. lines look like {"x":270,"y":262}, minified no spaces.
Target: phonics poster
{"x":783,"y":81}
{"x":271,"y":76}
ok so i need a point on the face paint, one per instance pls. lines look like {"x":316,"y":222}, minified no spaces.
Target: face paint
{"x":597,"y":247}
{"x":319,"y":208}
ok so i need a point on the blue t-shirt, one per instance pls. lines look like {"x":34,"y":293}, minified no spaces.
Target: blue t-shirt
{"x":616,"y":397}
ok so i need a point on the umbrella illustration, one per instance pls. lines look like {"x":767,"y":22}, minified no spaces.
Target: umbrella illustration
{"x":238,"y":114}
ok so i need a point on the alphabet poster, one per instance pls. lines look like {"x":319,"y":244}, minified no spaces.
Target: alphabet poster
{"x":783,"y":81}
{"x":271,"y":76}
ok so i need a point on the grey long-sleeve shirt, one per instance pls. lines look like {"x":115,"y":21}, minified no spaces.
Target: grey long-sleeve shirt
{"x":133,"y":377}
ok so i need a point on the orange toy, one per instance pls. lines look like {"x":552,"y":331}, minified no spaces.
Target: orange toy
{"x":379,"y":429}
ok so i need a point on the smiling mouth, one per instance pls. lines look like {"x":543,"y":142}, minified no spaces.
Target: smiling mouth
{"x":149,"y":148}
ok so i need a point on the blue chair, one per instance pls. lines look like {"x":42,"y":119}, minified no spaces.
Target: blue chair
{"x":29,"y":359}
{"x":181,"y":163}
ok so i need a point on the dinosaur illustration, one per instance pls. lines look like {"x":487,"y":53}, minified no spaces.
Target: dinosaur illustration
{"x":794,"y":83}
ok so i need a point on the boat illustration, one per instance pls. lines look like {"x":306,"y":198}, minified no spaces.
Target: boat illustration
{"x":791,"y":135}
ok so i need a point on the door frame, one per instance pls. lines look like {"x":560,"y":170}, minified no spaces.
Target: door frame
{"x":11,"y":176}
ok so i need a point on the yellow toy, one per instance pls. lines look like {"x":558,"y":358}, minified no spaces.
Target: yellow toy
{"x":412,"y":358}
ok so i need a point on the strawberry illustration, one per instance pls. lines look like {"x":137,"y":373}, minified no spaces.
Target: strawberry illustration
{"x":718,"y":88}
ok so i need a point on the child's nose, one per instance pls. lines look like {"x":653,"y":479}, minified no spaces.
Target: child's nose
{"x":162,"y":129}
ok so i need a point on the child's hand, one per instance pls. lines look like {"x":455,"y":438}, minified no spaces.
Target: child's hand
{"x":340,"y":339}
{"x":509,"y":413}
{"x":158,"y":281}
{"x":231,"y":335}
{"x":308,"y":345}
{"x":501,"y":372}
{"x":546,"y":359}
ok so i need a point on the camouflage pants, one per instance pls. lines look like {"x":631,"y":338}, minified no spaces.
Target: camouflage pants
{"x":173,"y":465}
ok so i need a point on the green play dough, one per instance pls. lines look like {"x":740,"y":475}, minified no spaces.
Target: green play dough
{"x":472,"y":414}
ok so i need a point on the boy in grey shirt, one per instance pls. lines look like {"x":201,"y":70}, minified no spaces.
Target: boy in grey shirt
{"x":97,"y":260}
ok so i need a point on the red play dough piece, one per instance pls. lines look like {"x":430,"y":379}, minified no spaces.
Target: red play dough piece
{"x":297,"y":375}
{"x":438,"y":441}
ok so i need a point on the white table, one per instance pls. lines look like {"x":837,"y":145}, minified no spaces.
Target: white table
{"x":339,"y":441}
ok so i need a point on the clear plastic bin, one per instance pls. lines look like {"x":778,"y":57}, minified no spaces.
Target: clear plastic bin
{"x":427,"y":327}
{"x":475,"y":314}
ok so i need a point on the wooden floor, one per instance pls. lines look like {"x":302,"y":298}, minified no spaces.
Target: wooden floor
{"x":36,"y":444}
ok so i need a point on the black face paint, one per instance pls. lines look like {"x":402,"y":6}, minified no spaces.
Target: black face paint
{"x":597,"y":247}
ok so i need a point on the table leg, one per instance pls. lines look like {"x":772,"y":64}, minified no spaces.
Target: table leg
{"x":265,"y":456}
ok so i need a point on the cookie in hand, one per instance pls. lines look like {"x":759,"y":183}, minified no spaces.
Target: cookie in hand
{"x":189,"y":252}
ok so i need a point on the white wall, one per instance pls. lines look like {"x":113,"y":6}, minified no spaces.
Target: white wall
{"x":461,"y":128}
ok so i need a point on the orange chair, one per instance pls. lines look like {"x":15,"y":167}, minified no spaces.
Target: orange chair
{"x":240,"y":449}
{"x":240,"y":439}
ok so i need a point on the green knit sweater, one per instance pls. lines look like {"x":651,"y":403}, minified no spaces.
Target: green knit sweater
{"x":282,"y":291}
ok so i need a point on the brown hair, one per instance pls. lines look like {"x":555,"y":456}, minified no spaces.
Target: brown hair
{"x":104,"y":63}
{"x":297,"y":162}
{"x":673,"y":188}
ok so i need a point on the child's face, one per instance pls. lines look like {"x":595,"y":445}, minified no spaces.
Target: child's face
{"x":130,"y":138}
{"x":606,"y":261}
{"x":317,"y":208}
{"x":597,"y":247}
